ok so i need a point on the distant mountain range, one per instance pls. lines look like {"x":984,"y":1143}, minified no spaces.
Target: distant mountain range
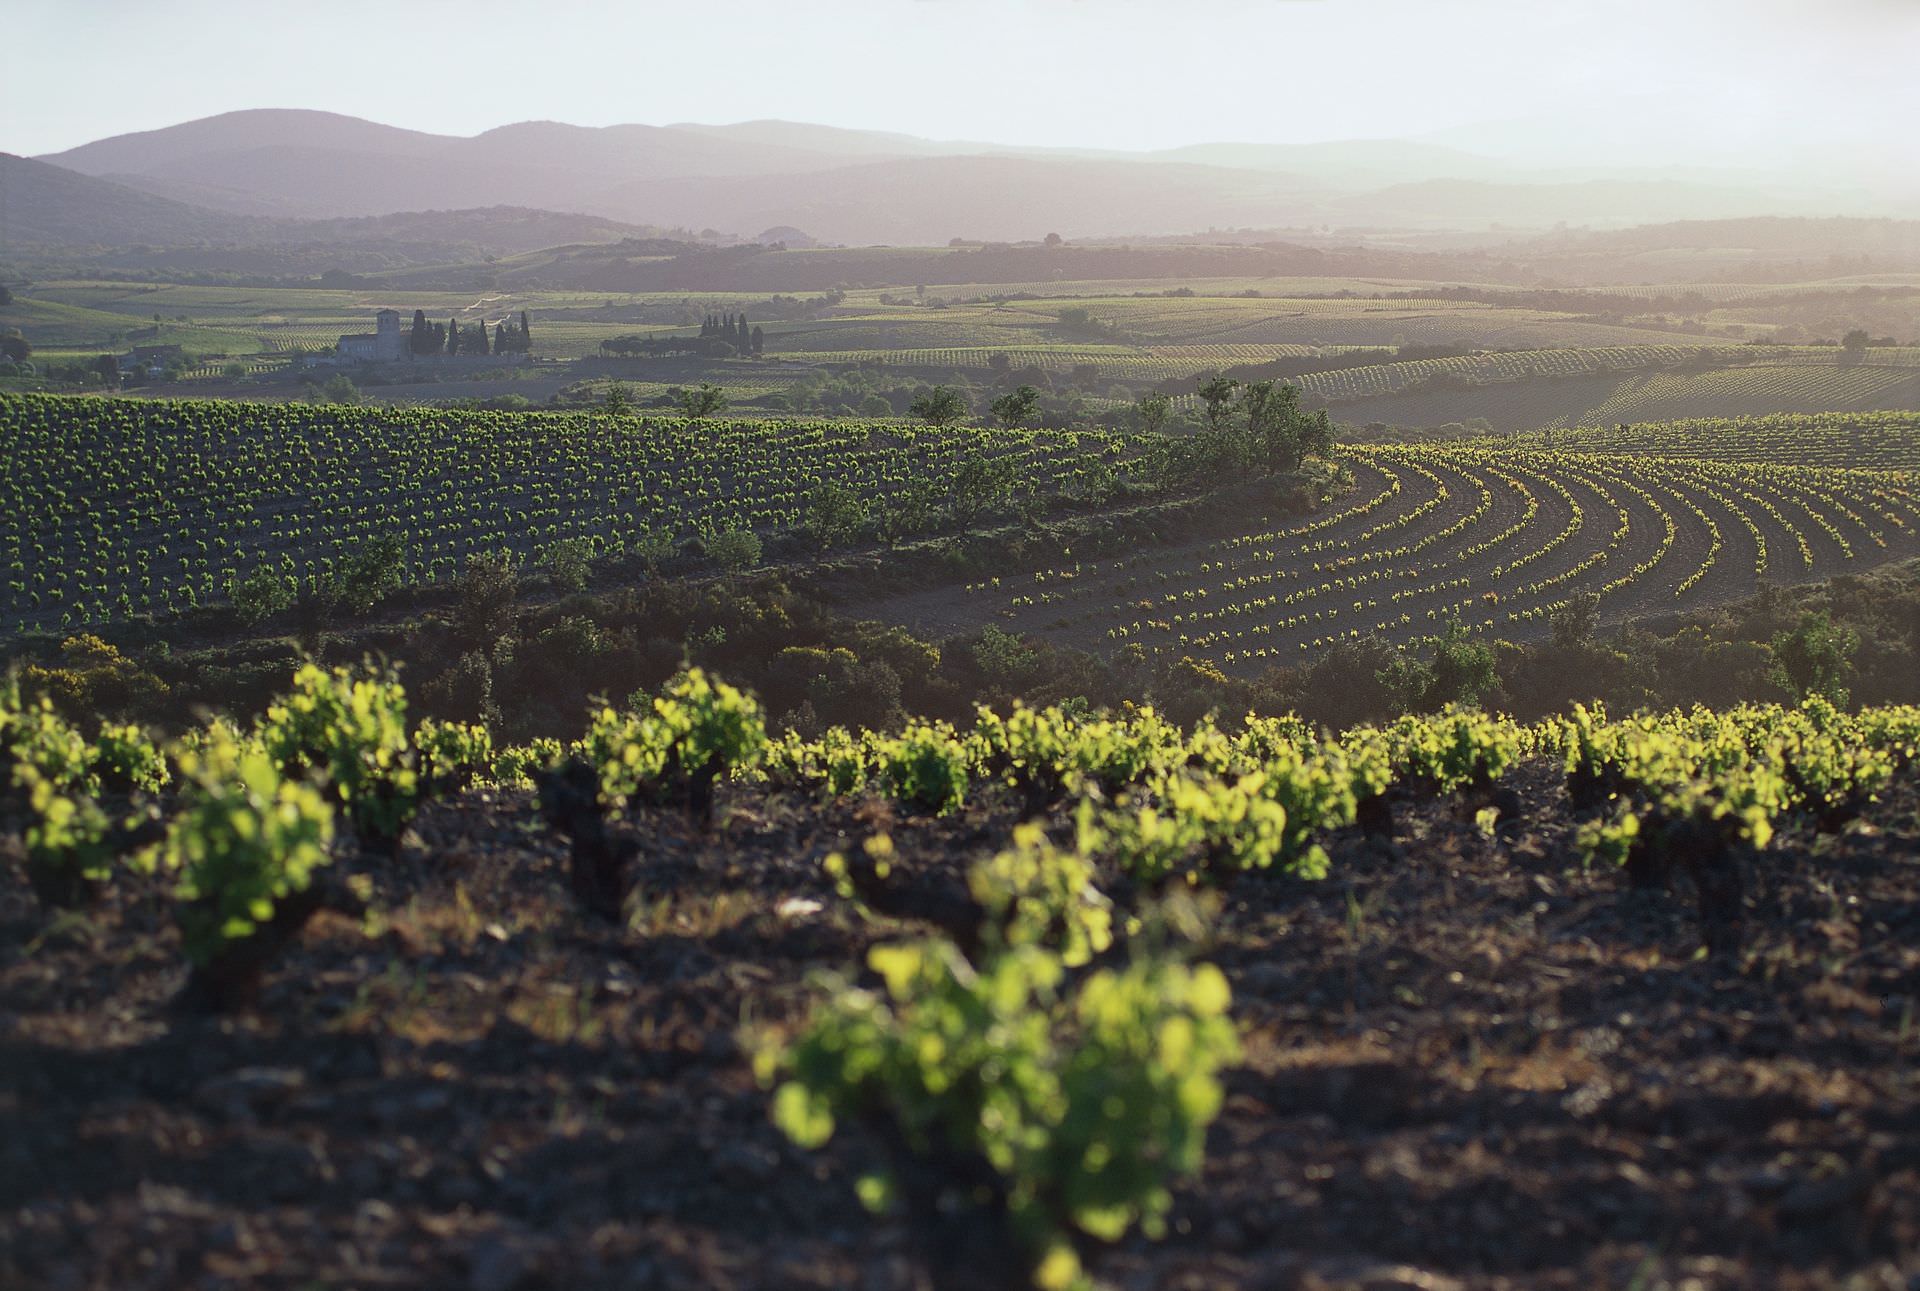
{"x":43,"y":206}
{"x":203,"y":179}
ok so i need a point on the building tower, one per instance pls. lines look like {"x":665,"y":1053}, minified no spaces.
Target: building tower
{"x":388,"y":342}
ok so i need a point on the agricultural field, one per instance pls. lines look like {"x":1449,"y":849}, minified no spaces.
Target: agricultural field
{"x":1142,"y":365}
{"x":88,"y":317}
{"x":1448,"y":1002}
{"x":126,"y":508}
{"x":1088,"y":338}
{"x":1886,"y":441}
{"x":1560,"y":388}
{"x":669,"y":1000}
{"x":1497,"y":536}
{"x":627,"y":667}
{"x":1181,"y":321}
{"x":114,"y":508}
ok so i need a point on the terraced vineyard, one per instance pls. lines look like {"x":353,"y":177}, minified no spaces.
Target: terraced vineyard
{"x":112,"y":508}
{"x":1497,"y":537}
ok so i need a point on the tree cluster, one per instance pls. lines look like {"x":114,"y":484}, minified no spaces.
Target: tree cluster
{"x":450,"y":338}
{"x":732,"y":329}
{"x":721,"y":337}
{"x":1257,"y":426}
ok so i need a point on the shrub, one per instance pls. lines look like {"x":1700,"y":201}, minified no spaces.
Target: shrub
{"x":247,"y":844}
{"x":262,"y":594}
{"x":68,"y":855}
{"x":126,"y":761}
{"x":1815,"y":658}
{"x":835,"y":513}
{"x":926,"y":767}
{"x":39,"y":739}
{"x":1459,"y":669}
{"x":696,"y":730}
{"x":1059,"y":1116}
{"x":350,"y":733}
{"x":484,"y":597}
{"x":452,"y":754}
{"x":514,"y":767}
{"x":734,"y":549}
{"x":568,"y":563}
{"x":1036,"y":894}
{"x":94,"y":678}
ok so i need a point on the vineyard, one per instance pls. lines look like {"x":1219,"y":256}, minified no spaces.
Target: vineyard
{"x":126,"y":508}
{"x":1496,"y":537}
{"x":684,"y":1002}
{"x":1639,"y":385}
{"x":114,"y":508}
{"x":1888,"y":441}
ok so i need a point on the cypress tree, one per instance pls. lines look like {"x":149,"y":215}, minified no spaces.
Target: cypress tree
{"x":480,"y":338}
{"x":453,"y":336}
{"x":526,"y":333}
{"x":417,"y":343}
{"x":759,"y":341}
{"x":500,"y":337}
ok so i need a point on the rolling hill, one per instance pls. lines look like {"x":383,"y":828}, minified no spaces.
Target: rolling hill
{"x":47,"y":212}
{"x":857,"y":186}
{"x":45,"y":205}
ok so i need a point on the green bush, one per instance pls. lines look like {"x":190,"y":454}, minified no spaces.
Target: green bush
{"x":39,"y":738}
{"x":514,"y":766}
{"x":1815,"y":658}
{"x":695,"y":731}
{"x":1036,"y":894}
{"x":569,"y":563}
{"x":452,"y":755}
{"x":734,"y":549}
{"x":126,"y":761}
{"x":926,"y":767}
{"x":262,"y":594}
{"x":66,"y":840}
{"x":1003,"y":1091}
{"x":350,"y":734}
{"x":246,"y":840}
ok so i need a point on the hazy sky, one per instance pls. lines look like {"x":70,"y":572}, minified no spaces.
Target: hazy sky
{"x":1666,"y":81}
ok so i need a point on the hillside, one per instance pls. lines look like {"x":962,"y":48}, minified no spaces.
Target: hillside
{"x":926,"y":201}
{"x":45,"y":205}
{"x":47,"y":210}
{"x":863,"y":186}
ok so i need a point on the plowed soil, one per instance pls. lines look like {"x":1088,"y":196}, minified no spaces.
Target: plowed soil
{"x":1469,"y":1063}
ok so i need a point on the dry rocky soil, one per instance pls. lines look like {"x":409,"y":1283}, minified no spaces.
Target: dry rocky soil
{"x":1469,"y":1063}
